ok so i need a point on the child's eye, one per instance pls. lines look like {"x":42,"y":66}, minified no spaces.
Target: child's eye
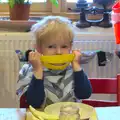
{"x":51,"y":46}
{"x":64,"y":46}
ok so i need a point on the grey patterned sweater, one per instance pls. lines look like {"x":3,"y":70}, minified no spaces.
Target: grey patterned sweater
{"x":56,"y":86}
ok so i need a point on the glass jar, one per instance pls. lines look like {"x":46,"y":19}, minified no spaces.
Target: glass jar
{"x":69,"y":112}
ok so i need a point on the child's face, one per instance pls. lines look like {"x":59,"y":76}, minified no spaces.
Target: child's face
{"x":55,"y":47}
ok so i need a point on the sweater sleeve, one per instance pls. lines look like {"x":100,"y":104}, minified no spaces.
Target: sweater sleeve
{"x":82,"y":86}
{"x":35,"y":94}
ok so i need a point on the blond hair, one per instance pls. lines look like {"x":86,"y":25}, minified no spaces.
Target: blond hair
{"x":51,"y":27}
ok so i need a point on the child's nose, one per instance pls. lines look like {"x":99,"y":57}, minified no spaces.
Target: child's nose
{"x":58,"y":51}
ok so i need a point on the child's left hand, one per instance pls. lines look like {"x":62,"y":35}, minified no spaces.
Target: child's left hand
{"x":76,"y":62}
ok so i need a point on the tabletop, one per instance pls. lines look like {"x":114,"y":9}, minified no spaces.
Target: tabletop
{"x":103,"y":113}
{"x":108,"y":113}
{"x":12,"y":114}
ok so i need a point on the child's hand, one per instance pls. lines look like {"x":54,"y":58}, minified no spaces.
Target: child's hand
{"x":34,"y":59}
{"x":76,"y":62}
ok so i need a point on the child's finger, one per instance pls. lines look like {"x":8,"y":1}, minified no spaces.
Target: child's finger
{"x":79,"y":50}
{"x":30,"y":56}
{"x":76,"y":51}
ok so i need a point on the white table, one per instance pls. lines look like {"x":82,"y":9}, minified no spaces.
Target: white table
{"x":108,"y":113}
{"x":103,"y":113}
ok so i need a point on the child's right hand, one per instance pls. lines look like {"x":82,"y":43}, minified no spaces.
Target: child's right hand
{"x":34,"y":59}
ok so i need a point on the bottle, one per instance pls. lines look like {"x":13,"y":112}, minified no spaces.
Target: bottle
{"x":115,"y":17}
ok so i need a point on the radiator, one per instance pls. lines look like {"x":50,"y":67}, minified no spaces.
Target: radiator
{"x":9,"y":64}
{"x":24,"y":41}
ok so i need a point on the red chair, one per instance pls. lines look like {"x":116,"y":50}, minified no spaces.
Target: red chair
{"x":105,"y":86}
{"x":100,"y":86}
{"x":23,"y":102}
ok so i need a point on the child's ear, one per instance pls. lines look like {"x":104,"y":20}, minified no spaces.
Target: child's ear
{"x":37,"y":48}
